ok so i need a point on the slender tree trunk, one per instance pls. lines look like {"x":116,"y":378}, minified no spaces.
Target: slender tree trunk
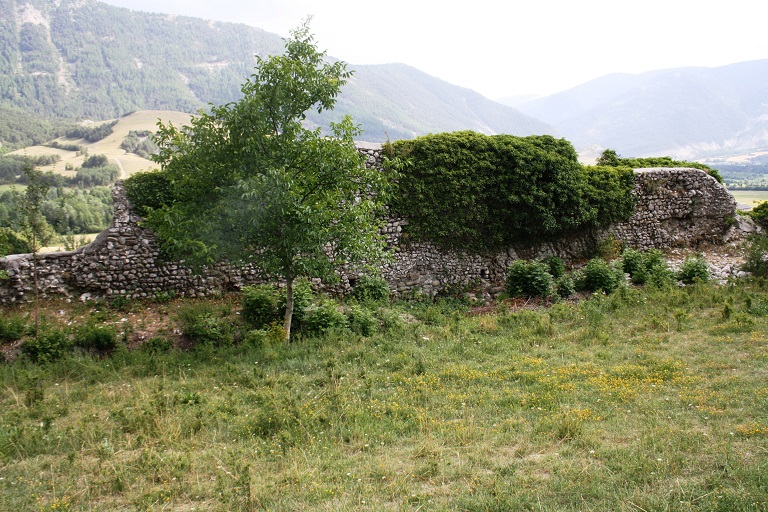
{"x":288,"y":306}
{"x":37,"y":287}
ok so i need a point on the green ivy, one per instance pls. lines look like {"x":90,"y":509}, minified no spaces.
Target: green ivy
{"x":610,"y":158}
{"x":148,"y":190}
{"x":478,"y":192}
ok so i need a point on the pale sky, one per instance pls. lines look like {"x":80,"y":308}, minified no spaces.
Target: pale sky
{"x":505,"y":48}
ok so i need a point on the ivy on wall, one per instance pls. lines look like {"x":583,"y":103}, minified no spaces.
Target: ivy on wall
{"x":478,"y":192}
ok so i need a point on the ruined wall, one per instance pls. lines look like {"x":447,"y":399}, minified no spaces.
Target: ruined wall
{"x":675,"y":208}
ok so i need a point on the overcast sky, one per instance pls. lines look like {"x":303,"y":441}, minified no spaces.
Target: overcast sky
{"x":505,"y":48}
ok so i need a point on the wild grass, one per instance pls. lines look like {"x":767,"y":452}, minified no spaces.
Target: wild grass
{"x":645,"y":399}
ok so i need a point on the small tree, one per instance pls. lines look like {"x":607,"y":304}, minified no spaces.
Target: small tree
{"x":251,"y":183}
{"x":34,"y":226}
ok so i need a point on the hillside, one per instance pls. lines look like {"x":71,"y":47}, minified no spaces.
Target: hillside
{"x":110,"y":145}
{"x":82,"y":59}
{"x":687,"y":113}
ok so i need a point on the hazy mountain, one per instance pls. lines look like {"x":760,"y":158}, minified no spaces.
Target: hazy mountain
{"x":683,"y":112}
{"x":400,"y":102}
{"x":76,"y":59}
{"x":514,"y":101}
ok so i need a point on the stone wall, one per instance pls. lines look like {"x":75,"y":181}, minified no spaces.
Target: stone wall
{"x":675,"y":208}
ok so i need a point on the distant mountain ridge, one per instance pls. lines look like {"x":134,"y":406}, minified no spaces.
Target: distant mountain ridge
{"x":686,"y":113}
{"x":77,"y":59}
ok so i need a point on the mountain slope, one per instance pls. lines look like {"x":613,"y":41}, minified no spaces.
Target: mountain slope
{"x":683,"y":112}
{"x":77,"y":59}
{"x":396,"y":101}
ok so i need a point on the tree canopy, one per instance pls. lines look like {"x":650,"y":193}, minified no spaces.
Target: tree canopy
{"x":249,"y":182}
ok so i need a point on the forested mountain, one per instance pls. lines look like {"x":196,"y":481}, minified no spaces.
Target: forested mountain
{"x":686,"y":113}
{"x":78,"y":59}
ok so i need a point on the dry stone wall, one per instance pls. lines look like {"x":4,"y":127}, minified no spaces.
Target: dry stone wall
{"x":675,"y":208}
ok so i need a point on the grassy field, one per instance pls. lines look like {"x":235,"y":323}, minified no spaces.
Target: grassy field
{"x":110,"y":146}
{"x":642,"y":400}
{"x":750,"y":197}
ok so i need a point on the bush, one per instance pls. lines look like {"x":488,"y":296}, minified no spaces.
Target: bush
{"x":641,"y":266}
{"x":272,"y":334}
{"x":371,"y":289}
{"x":660,"y":276}
{"x":361,"y":320}
{"x":598,"y":276}
{"x":49,"y":346}
{"x":12,"y":328}
{"x":760,"y":215}
{"x":156,"y":345}
{"x":564,"y":286}
{"x":323,"y":316}
{"x":203,"y":325}
{"x":391,"y":320}
{"x":694,"y":270}
{"x":527,"y":278}
{"x":756,"y":261}
{"x":555,"y":265}
{"x":96,"y":337}
{"x":260,"y":305}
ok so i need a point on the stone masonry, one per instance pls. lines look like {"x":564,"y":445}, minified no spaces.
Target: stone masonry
{"x":677,"y":207}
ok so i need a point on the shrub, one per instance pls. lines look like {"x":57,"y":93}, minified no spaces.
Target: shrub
{"x":371,"y":289}
{"x":391,"y":320}
{"x":97,"y":337}
{"x":156,"y":345}
{"x":760,"y":215}
{"x":641,"y":266}
{"x":272,"y":334}
{"x":527,"y":278}
{"x":49,"y":346}
{"x":564,"y":286}
{"x":694,"y":270}
{"x":361,"y":320}
{"x":202,"y":324}
{"x":756,"y":261}
{"x":660,"y":276}
{"x":260,"y":305}
{"x":599,"y":276}
{"x":633,"y":263}
{"x":555,"y":265}
{"x":323,"y":316}
{"x":12,"y":328}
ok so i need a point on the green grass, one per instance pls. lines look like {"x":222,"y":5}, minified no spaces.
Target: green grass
{"x":642,"y":400}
